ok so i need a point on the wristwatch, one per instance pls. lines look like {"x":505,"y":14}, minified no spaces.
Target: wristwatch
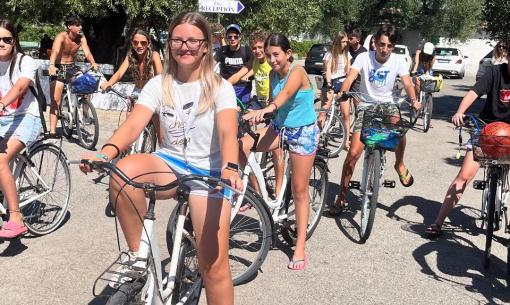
{"x":232,"y":166}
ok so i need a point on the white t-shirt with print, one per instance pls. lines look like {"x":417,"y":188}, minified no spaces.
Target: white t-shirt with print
{"x":27,"y":103}
{"x":203,"y":146}
{"x":340,"y":71}
{"x":378,"y":79}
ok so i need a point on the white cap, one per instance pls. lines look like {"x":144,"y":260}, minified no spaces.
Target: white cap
{"x":428,"y":48}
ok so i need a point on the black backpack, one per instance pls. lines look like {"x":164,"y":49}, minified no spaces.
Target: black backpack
{"x":39,"y":95}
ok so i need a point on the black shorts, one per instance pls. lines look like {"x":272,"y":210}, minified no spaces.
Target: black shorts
{"x":65,"y":72}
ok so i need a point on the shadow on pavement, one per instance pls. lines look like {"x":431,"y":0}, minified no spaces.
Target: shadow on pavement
{"x":14,"y":248}
{"x":456,"y":255}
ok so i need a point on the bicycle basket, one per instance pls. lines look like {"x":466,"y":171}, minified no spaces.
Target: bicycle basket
{"x":491,"y":148}
{"x":85,"y":84}
{"x":432,"y":85}
{"x":383,"y":128}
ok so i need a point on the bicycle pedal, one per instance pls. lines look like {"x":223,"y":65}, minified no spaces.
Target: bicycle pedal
{"x":354,"y":185}
{"x":389,"y":184}
{"x":479,"y":184}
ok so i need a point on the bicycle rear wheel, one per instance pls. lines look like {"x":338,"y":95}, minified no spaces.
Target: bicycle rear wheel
{"x":87,"y":123}
{"x":66,"y":116}
{"x":336,"y":136}
{"x":369,"y":192}
{"x":491,"y":210}
{"x":427,"y":112}
{"x":318,"y":192}
{"x":249,"y":241}
{"x":46,"y":181}
{"x":129,"y":293}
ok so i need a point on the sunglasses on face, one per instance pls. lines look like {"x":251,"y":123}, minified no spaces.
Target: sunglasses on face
{"x":143,"y":43}
{"x":233,"y":37}
{"x":7,"y":40}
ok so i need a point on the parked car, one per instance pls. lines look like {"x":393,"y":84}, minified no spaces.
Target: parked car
{"x":485,"y":62}
{"x":314,"y":57}
{"x":450,"y":62}
{"x":402,"y":50}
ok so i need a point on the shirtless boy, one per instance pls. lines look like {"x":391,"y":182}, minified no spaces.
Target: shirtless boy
{"x":63,"y":52}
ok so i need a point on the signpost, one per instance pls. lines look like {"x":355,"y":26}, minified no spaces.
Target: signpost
{"x":220,"y":6}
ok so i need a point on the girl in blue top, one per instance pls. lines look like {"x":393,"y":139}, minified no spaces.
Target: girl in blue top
{"x":291,"y":97}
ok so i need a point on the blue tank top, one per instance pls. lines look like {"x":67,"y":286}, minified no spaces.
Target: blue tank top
{"x":298,"y":110}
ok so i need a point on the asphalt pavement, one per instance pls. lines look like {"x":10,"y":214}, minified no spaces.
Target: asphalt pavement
{"x":397,"y":265}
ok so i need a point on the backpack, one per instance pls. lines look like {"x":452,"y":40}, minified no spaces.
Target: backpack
{"x":39,"y":95}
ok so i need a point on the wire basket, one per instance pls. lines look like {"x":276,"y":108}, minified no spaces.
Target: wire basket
{"x":491,"y":148}
{"x":87,"y":83}
{"x":383,"y":128}
{"x":431,"y":85}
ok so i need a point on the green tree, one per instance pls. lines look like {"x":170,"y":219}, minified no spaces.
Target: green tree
{"x":497,"y":16}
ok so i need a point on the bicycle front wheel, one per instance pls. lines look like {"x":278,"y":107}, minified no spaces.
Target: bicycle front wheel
{"x":317,"y":189}
{"x":249,"y":240}
{"x":369,"y":192}
{"x":44,"y":187}
{"x":87,"y":123}
{"x":491,"y":211}
{"x":149,"y":138}
{"x":427,"y":112}
{"x":336,"y":136}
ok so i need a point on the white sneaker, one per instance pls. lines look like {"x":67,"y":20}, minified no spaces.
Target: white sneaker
{"x":125,"y":270}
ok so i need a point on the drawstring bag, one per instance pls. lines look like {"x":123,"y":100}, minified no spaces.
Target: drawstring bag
{"x":87,"y":83}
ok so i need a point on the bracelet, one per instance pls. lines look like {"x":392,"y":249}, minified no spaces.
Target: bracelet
{"x":51,"y":64}
{"x":112,"y":145}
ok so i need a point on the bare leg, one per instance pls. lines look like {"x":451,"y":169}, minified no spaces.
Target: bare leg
{"x":8,"y":150}
{"x":355,"y":151}
{"x":211,"y":223}
{"x":400,"y":167}
{"x":129,"y":202}
{"x":301,"y":168}
{"x":56,"y":89}
{"x":456,"y":189}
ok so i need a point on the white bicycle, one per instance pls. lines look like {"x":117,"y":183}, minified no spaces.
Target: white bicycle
{"x":144,"y":282}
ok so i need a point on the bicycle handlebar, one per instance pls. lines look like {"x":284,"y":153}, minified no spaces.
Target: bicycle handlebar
{"x":110,"y":167}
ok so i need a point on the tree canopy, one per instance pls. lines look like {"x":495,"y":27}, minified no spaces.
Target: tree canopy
{"x":497,"y":16}
{"x":105,"y":20}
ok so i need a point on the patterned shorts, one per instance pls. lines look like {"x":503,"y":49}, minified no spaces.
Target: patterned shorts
{"x":389,"y":109}
{"x":301,"y":140}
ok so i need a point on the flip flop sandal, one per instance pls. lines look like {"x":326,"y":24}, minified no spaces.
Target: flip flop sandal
{"x":298,"y":264}
{"x":12,"y":230}
{"x":406,"y":177}
{"x":433,"y":231}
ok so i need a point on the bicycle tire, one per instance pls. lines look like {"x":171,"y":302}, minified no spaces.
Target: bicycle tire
{"x":188,"y":274}
{"x":246,"y":255}
{"x":370,"y":193}
{"x":45,"y":214}
{"x":66,"y":117}
{"x":336,"y":137}
{"x":87,"y":137}
{"x":127,"y":294}
{"x":318,"y":185}
{"x":491,"y":209}
{"x":427,"y":112}
{"x":149,"y":139}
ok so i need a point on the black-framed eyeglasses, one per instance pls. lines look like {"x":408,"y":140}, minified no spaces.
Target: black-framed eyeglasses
{"x":7,"y":40}
{"x":192,"y":43}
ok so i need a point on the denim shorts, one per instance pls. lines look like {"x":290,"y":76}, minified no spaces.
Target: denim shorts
{"x":301,"y":140}
{"x":24,"y":127}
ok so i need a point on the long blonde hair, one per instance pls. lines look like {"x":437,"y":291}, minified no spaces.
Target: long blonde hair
{"x":210,"y":81}
{"x":336,"y":51}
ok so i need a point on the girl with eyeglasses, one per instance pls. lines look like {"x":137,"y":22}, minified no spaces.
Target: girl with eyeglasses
{"x":198,"y":114}
{"x":20,"y":124}
{"x":141,"y":61}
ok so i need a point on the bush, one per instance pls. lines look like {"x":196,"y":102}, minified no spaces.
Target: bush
{"x":300,"y":48}
{"x":34,"y":32}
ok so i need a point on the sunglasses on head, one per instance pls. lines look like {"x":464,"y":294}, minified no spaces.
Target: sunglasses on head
{"x":143,"y":43}
{"x":7,"y":40}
